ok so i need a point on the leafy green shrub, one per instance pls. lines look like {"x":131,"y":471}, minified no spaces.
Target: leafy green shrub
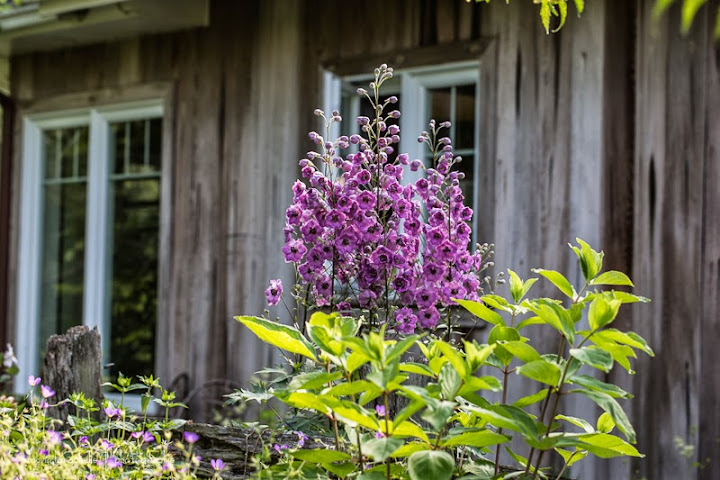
{"x":447,"y":427}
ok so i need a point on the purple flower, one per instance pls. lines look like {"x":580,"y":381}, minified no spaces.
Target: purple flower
{"x":33,"y":381}
{"x":301,"y":438}
{"x":190,"y":437}
{"x":90,"y":476}
{"x":54,"y":437}
{"x":379,"y":434}
{"x":111,"y":411}
{"x":218,"y":464}
{"x":274,"y":291}
{"x":380,"y":410}
{"x":43,"y":452}
{"x":405,"y":321}
{"x":46,"y":391}
{"x":137,"y":435}
{"x":294,"y":251}
{"x":148,"y":437}
{"x":113,"y":462}
{"x":84,"y":440}
{"x":280,"y":448}
{"x":106,"y":445}
{"x":429,"y":317}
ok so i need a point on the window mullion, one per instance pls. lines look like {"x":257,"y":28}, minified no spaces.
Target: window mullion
{"x":96,"y":252}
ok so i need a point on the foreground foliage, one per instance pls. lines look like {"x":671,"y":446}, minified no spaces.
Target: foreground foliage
{"x":123,"y":445}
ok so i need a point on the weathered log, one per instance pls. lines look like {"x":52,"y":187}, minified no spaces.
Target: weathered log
{"x":237,"y":446}
{"x":73,"y":364}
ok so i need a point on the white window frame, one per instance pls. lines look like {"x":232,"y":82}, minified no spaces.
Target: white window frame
{"x":414,"y":83}
{"x":95,"y":294}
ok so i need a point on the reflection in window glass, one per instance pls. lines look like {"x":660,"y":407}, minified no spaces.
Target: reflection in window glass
{"x":65,"y":155}
{"x":134,"y":223}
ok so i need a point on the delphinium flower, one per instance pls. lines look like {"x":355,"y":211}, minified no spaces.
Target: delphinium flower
{"x":358,"y":234}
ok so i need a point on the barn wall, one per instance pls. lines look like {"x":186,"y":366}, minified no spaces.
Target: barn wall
{"x":676,"y":243}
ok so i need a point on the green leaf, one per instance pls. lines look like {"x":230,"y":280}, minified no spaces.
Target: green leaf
{"x":559,"y":280}
{"x":612,"y":277}
{"x":409,"y":429}
{"x":322,"y":336}
{"x":480,"y":439}
{"x":481,"y":311}
{"x":449,"y":381}
{"x":562,"y":7}
{"x":508,"y":417}
{"x":497,"y":302}
{"x":580,"y":6}
{"x":342,"y":470}
{"x":578,"y":422}
{"x":613,"y":408}
{"x":590,"y":260}
{"x":434,"y":464}
{"x":401,"y":347}
{"x":689,"y":9}
{"x":313,"y":380}
{"x":355,"y":360}
{"x":605,"y":445}
{"x":545,"y":15}
{"x":521,"y":350}
{"x":530,"y":321}
{"x":304,"y":400}
{"x":501,"y":333}
{"x":593,"y":356}
{"x":625,"y":297}
{"x":410,"y":410}
{"x":630,"y":339}
{"x":279,"y":335}
{"x":542,"y":371}
{"x":602,"y":311}
{"x":352,"y":388}
{"x":408,"y":449}
{"x":381,"y":448}
{"x":605,"y":423}
{"x":531,"y":399}
{"x":453,"y":357}
{"x":416,"y":368}
{"x":716,"y":33}
{"x":572,"y":457}
{"x":475,"y":355}
{"x":518,"y":288}
{"x":437,"y":413}
{"x":320,"y":456}
{"x":556,"y":316}
{"x":593,"y":383}
{"x":661,"y":6}
{"x":355,"y":415}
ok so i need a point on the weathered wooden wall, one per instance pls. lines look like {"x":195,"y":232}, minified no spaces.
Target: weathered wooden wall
{"x":608,"y":131}
{"x":677,"y":243}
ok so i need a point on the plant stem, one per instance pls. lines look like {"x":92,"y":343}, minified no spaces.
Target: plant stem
{"x":500,"y":430}
{"x":387,"y":429}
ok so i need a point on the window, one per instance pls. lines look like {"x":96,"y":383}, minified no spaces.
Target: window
{"x":89,"y":232}
{"x":443,"y":92}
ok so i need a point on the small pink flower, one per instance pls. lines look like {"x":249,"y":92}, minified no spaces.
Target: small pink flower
{"x":148,"y":437}
{"x":280,"y":448}
{"x":217,"y":465}
{"x":190,"y":437}
{"x":33,"y":381}
{"x":46,"y":391}
{"x":380,"y":409}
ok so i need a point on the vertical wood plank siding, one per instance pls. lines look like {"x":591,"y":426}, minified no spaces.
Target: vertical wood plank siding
{"x":581,"y":135}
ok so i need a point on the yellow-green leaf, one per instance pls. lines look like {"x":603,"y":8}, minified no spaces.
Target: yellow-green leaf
{"x":279,"y":335}
{"x":480,"y":310}
{"x":481,"y":439}
{"x":557,"y":279}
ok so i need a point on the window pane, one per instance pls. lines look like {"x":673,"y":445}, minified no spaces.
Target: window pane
{"x":133,"y":305}
{"x":465,"y":117}
{"x":65,"y":152}
{"x":136,"y":146}
{"x":63,"y":258}
{"x":440,"y":105}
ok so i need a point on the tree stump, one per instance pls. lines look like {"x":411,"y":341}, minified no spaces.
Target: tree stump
{"x":73,"y":364}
